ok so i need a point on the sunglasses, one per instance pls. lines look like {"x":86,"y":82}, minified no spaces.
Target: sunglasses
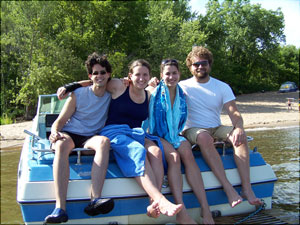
{"x":102,"y":72}
{"x":169,"y":61}
{"x":202,"y":63}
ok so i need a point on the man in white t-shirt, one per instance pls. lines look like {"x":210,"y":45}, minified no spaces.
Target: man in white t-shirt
{"x":206,"y":97}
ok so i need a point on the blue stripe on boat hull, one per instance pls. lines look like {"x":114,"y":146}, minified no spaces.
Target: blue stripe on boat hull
{"x":131,"y":206}
{"x":43,"y":172}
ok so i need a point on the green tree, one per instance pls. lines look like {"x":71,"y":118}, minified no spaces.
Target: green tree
{"x":288,"y":64}
{"x":242,"y":37}
{"x":44,"y":43}
{"x":168,"y":22}
{"x":39,"y":64}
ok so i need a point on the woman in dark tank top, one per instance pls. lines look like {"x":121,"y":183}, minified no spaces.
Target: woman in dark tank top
{"x":129,"y":105}
{"x":123,"y":110}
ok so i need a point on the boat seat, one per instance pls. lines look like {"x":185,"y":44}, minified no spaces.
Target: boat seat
{"x":46,"y":156}
{"x":42,"y":150}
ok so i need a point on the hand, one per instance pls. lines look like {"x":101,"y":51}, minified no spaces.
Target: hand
{"x":238,"y":136}
{"x":153,"y":82}
{"x":55,"y":136}
{"x":61,"y":93}
{"x":126,"y":81}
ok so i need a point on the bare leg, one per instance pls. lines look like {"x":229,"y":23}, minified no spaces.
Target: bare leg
{"x":213,"y":159}
{"x":154,"y":155}
{"x":175,"y":181}
{"x":241,"y":157}
{"x":195,"y":180}
{"x":147,"y":182}
{"x":61,"y":170}
{"x":101,"y":146}
{"x":155,"y":158}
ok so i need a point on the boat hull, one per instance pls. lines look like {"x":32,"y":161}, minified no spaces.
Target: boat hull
{"x":134,"y":212}
{"x":37,"y":199}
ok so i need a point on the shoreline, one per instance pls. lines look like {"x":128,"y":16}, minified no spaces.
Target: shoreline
{"x":13,"y":143}
{"x":259,"y":111}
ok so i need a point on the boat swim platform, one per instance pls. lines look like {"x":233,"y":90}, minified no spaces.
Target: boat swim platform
{"x":263,"y":217}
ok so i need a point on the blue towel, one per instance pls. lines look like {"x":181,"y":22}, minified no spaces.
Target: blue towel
{"x":128,"y":147}
{"x":164,"y":121}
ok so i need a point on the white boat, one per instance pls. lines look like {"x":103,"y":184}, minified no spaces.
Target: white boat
{"x":35,"y":191}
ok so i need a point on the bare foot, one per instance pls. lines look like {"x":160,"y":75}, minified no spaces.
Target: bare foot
{"x":207,"y":217}
{"x":250,"y":196}
{"x":184,"y":218}
{"x":233,"y":197}
{"x":153,"y":210}
{"x":167,"y":208}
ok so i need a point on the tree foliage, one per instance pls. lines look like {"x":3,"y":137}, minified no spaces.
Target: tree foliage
{"x":244,"y":38}
{"x":44,"y":43}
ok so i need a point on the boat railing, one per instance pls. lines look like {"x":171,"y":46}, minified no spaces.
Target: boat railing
{"x":225,"y":145}
{"x":39,"y":144}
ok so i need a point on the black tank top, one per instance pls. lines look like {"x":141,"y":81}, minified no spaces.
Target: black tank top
{"x":123,"y":110}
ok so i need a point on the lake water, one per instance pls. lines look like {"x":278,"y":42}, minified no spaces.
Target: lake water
{"x":279,"y":147}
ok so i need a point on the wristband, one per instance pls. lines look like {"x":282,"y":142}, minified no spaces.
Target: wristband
{"x":72,"y":86}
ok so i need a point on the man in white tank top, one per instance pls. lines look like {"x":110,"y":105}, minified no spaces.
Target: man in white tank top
{"x":82,"y":117}
{"x":206,"y":97}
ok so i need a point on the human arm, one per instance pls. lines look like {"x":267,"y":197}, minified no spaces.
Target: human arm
{"x":63,"y":91}
{"x":238,"y":134}
{"x":116,"y":87}
{"x":152,"y":84}
{"x":64,"y":116}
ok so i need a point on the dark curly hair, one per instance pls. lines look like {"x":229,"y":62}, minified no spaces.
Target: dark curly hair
{"x":94,"y":59}
{"x":199,"y":51}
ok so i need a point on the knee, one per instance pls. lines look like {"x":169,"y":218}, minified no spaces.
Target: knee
{"x":104,"y":141}
{"x":187,"y":155}
{"x":205,"y":139}
{"x":155,"y":151}
{"x":104,"y":144}
{"x":174,"y":159}
{"x":63,"y":147}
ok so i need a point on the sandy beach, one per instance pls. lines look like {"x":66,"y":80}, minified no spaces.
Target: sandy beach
{"x":258,"y":110}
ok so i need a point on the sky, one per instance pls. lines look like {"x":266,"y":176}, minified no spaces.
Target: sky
{"x":289,"y":8}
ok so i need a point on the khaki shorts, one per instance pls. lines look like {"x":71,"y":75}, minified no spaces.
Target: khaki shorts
{"x":219,"y":133}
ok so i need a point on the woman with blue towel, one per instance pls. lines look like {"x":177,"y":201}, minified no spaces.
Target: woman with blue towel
{"x":128,"y":109}
{"x":167,"y":116}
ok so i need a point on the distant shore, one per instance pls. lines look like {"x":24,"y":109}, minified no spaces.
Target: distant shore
{"x":267,"y":110}
{"x":258,"y":110}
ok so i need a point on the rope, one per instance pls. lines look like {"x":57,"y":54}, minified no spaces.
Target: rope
{"x":262,"y":207}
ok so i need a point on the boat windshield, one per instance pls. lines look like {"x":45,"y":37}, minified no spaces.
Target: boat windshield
{"x":50,"y":104}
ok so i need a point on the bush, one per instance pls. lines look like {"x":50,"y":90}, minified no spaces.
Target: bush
{"x":5,"y":119}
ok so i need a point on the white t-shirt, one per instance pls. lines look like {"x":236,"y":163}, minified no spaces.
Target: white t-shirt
{"x":205,"y":101}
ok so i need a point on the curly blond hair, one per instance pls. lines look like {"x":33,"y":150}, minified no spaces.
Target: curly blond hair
{"x":199,"y":51}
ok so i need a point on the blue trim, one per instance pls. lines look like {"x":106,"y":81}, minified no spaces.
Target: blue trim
{"x":43,"y":172}
{"x":138,"y":196}
{"x":130,"y":206}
